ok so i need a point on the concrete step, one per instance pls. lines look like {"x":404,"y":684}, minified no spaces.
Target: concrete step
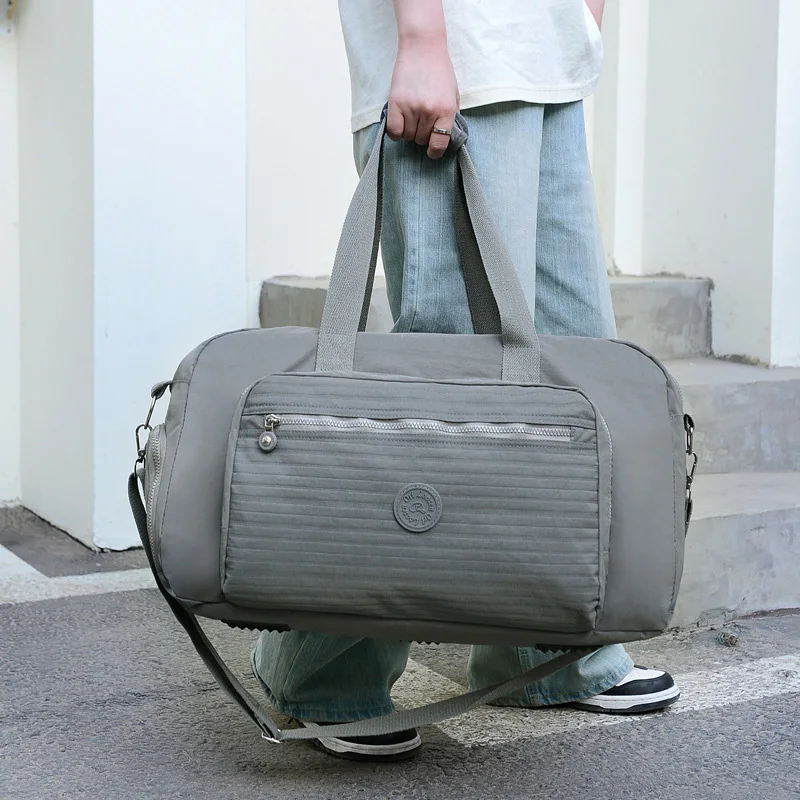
{"x":743,"y":548}
{"x":668,"y":316}
{"x":747,"y":417}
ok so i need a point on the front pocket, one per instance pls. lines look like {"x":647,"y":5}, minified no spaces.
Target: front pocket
{"x":342,"y":498}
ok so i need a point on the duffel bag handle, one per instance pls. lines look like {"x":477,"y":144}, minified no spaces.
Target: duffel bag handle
{"x":483,"y":254}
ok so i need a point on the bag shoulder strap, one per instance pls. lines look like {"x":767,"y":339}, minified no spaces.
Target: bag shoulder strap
{"x":390,"y":723}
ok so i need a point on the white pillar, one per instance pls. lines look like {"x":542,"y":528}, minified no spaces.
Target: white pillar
{"x":697,"y":163}
{"x":133,"y":231}
{"x":300,"y":166}
{"x":619,"y":134}
{"x":9,"y":272}
{"x":785,"y":338}
{"x":710,"y":164}
{"x":54,"y":43}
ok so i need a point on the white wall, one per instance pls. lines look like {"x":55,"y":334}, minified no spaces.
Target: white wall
{"x":300,"y":170}
{"x":786,"y":232}
{"x":602,"y":131}
{"x":132,"y":231}
{"x":9,"y":275}
{"x":170,"y":216}
{"x":696,"y":163}
{"x":709,"y":178}
{"x":56,"y":235}
{"x":619,"y":142}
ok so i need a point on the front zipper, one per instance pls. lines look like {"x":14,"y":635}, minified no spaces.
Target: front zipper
{"x":519,"y":431}
{"x":156,"y":463}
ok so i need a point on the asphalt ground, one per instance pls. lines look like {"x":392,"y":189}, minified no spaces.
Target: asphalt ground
{"x":103,"y":697}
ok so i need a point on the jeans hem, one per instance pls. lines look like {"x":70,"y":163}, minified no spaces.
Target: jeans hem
{"x":536,"y":699}
{"x":318,"y":713}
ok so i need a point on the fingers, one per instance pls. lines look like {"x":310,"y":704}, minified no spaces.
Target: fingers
{"x":439,"y":142}
{"x":425,"y":123}
{"x":424,"y":93}
{"x":395,"y":122}
{"x":415,"y":125}
{"x":401,"y":122}
{"x":410,"y":129}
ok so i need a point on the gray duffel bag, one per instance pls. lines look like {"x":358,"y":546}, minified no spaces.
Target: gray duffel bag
{"x":497,"y":488}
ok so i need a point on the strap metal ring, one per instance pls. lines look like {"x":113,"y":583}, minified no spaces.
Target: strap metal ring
{"x":443,"y":131}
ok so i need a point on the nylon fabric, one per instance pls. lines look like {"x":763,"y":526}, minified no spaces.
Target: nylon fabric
{"x":521,"y":347}
{"x":637,"y":400}
{"x":310,"y":525}
{"x":482,"y":305}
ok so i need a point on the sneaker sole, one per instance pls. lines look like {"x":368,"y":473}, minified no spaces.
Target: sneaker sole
{"x":630,"y":705}
{"x":353,"y":751}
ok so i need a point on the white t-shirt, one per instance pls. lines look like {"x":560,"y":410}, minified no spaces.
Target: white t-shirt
{"x":537,"y":51}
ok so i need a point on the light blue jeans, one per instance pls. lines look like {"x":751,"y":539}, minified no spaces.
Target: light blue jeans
{"x":534,"y":169}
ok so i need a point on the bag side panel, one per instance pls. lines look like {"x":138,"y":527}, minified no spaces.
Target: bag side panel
{"x":679,"y":477}
{"x":191,"y":489}
{"x":631,"y":391}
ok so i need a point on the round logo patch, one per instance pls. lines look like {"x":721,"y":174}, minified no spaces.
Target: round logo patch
{"x":418,"y":507}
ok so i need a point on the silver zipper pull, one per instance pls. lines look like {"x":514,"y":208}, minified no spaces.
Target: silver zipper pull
{"x":268,"y":440}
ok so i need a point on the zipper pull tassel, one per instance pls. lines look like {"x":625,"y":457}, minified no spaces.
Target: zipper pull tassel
{"x":268,"y":440}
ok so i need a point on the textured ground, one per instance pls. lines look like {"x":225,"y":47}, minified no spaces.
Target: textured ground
{"x":103,"y":697}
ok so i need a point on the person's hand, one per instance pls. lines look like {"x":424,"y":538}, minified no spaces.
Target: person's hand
{"x":424,"y":94}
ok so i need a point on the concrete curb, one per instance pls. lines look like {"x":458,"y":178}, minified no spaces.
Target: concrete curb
{"x":743,"y":548}
{"x":747,"y":417}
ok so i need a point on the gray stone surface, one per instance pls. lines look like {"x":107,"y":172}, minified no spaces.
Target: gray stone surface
{"x":747,"y":417}
{"x":299,"y":301}
{"x":103,"y":697}
{"x":743,"y":547}
{"x":668,"y":316}
{"x":52,"y":552}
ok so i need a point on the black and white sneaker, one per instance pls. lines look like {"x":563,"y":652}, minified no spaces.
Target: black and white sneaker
{"x":639,"y":691}
{"x":391,"y":747}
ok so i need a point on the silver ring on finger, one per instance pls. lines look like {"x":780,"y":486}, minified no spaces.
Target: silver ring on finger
{"x":443,"y":131}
